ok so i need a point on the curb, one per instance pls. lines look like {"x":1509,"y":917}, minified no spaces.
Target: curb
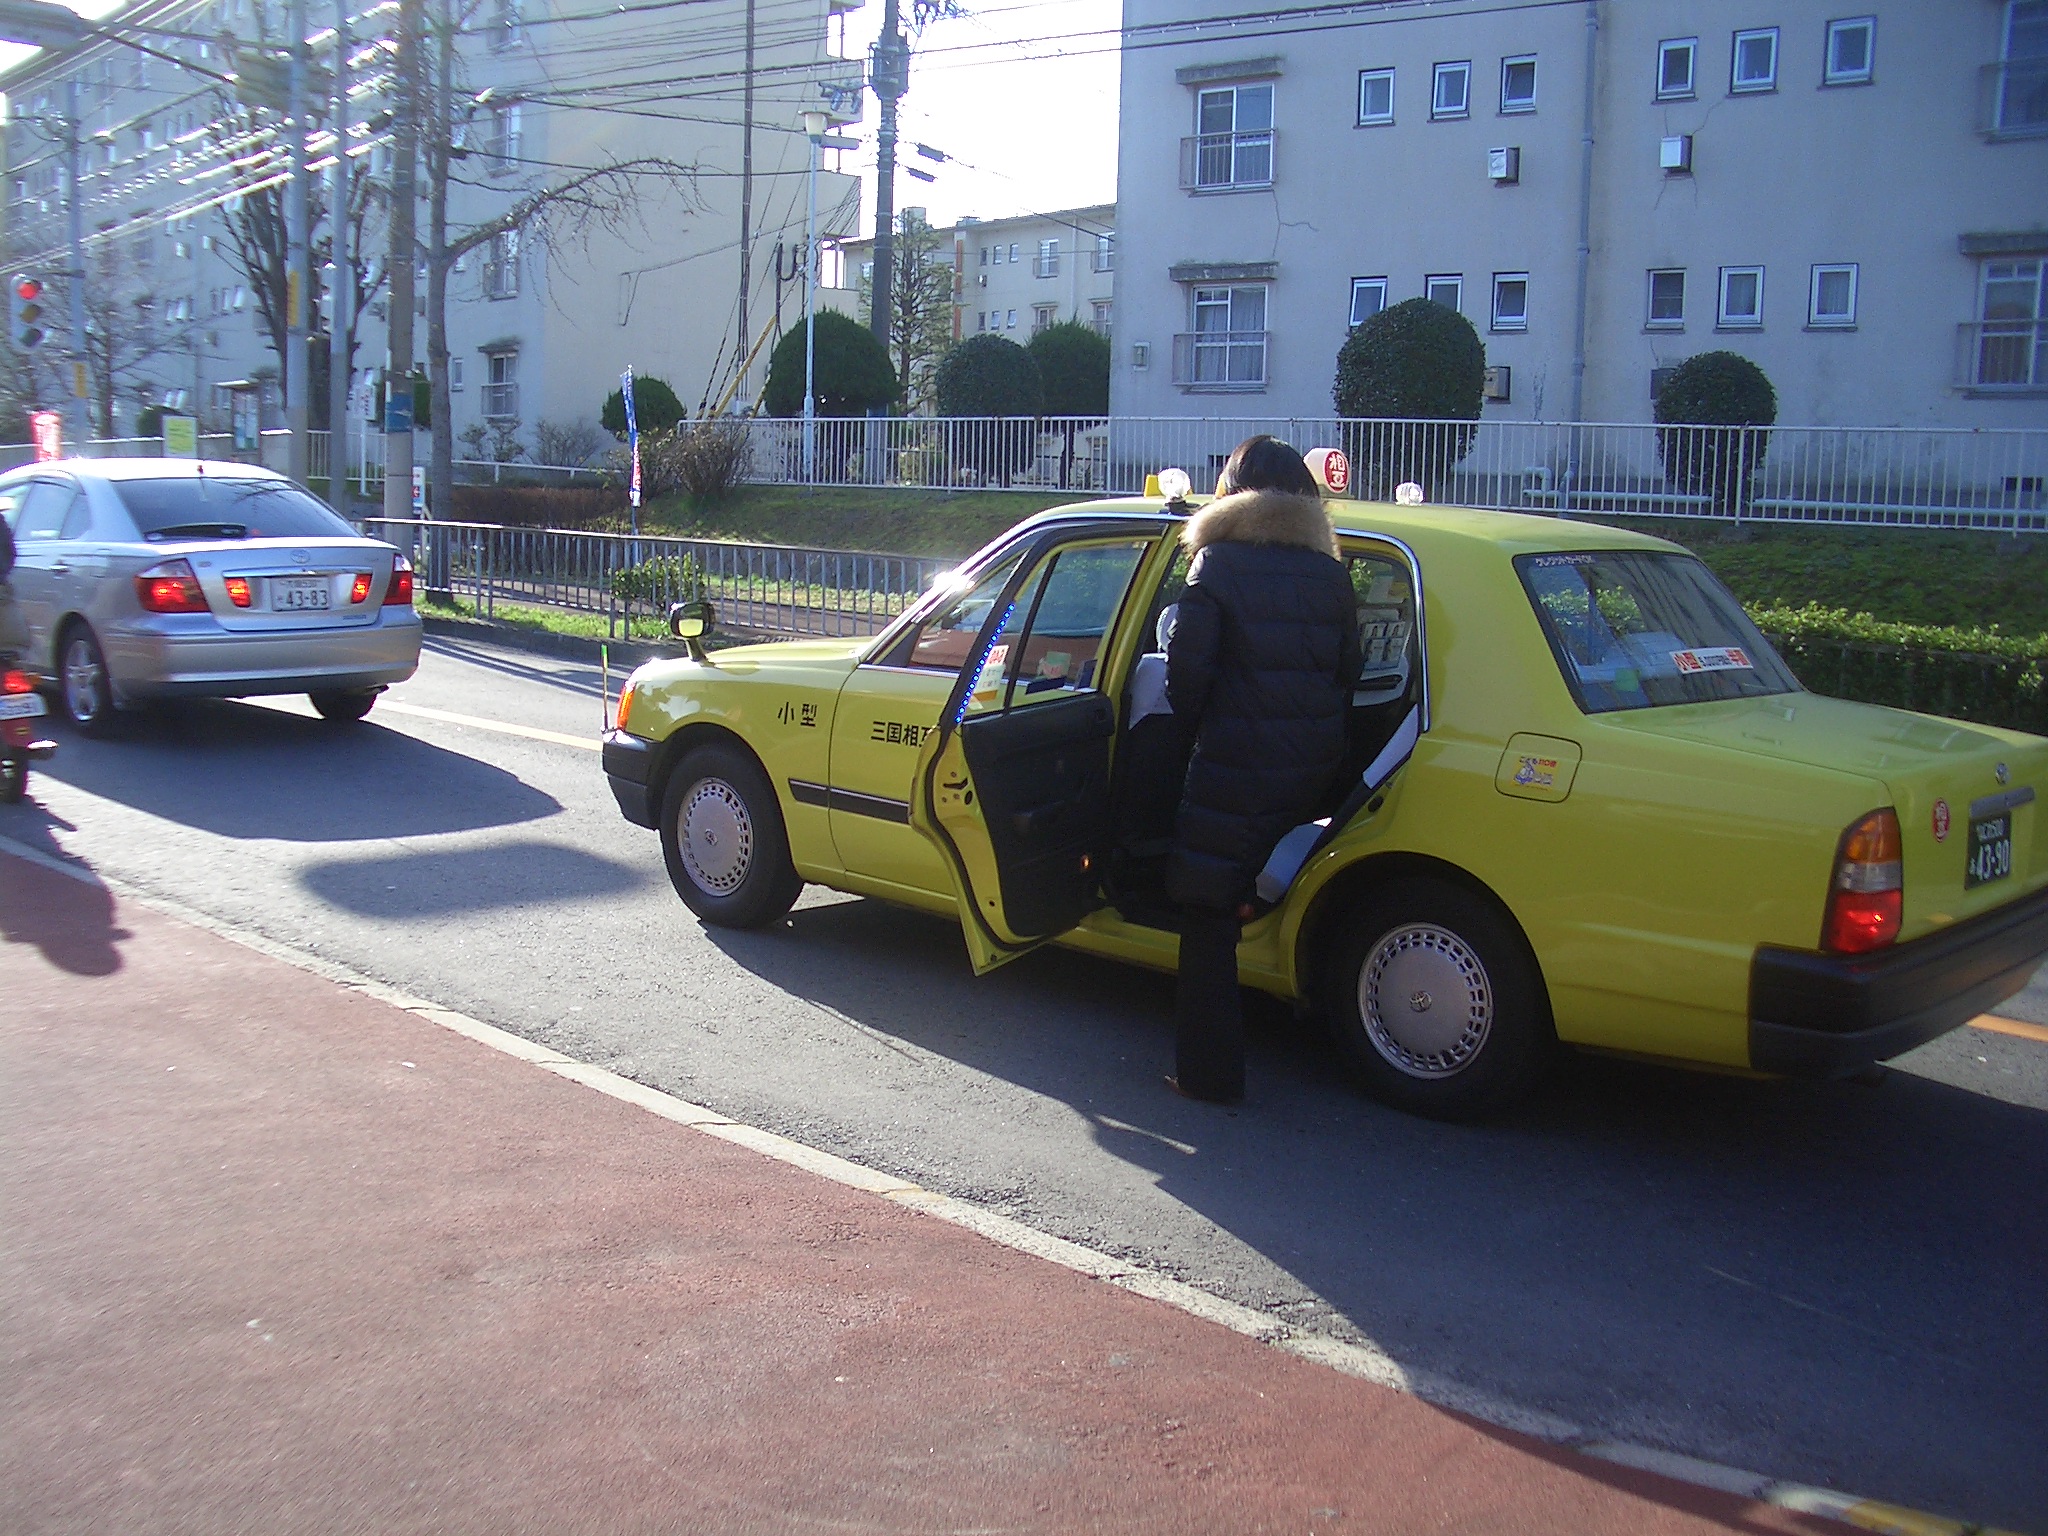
{"x":1360,"y":1360}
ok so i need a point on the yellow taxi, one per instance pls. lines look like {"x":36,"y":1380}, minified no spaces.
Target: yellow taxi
{"x":1585,"y":802}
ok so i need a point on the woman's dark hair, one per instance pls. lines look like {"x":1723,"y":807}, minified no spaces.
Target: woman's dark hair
{"x":1265,"y":463}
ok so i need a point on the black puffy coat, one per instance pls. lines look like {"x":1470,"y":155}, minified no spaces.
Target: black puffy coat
{"x":1263,"y":658}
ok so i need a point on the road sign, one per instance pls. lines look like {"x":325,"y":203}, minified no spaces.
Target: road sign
{"x":181,"y":437}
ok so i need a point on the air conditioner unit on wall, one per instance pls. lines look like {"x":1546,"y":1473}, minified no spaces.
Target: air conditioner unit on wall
{"x":1504,"y":166}
{"x":1674,"y":155}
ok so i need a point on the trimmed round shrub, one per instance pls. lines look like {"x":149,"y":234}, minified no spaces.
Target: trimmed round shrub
{"x":149,"y":421}
{"x":990,"y":376}
{"x":853,"y":374}
{"x":1417,"y":373}
{"x":1073,"y":367}
{"x":1699,"y":411}
{"x":655,"y":408}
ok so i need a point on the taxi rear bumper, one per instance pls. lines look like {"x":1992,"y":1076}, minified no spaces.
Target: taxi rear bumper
{"x":1813,"y":1015}
{"x":628,"y":765}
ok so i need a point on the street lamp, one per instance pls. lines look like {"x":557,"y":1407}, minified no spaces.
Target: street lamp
{"x":814,"y":130}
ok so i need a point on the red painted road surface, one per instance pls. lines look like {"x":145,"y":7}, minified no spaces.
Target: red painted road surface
{"x":281,"y":1258}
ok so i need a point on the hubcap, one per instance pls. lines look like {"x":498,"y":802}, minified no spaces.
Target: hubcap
{"x":717,"y":837}
{"x":1425,"y":1000}
{"x":84,"y":680}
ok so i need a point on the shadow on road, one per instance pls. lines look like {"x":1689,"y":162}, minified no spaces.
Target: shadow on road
{"x":413,"y":886}
{"x":568,"y":673}
{"x":1824,"y":1282}
{"x":70,"y":919}
{"x":240,"y":770}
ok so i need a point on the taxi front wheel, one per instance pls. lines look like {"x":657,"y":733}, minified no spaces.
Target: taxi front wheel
{"x":1436,"y":1002}
{"x":723,"y":840}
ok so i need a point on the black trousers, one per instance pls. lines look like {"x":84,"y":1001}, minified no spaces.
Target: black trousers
{"x":1209,"y":1039}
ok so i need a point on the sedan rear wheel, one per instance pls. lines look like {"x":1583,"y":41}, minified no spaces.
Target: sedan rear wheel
{"x":723,"y":840}
{"x":1436,"y":1002}
{"x":343,"y":706}
{"x":82,"y":682}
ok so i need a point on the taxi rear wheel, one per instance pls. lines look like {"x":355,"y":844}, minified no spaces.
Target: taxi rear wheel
{"x":1436,"y":1003}
{"x":723,"y":840}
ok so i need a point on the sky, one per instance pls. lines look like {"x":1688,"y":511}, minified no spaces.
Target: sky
{"x":1022,"y":97}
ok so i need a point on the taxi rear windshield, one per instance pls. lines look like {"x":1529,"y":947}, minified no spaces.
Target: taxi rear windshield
{"x":1633,"y":630}
{"x":227,"y":507}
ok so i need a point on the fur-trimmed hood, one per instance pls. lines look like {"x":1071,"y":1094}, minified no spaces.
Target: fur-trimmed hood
{"x":1262,"y":517}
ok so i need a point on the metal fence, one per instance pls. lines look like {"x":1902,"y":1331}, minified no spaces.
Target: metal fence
{"x":1949,"y":478}
{"x":769,"y":589}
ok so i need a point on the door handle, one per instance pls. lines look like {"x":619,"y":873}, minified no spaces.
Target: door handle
{"x":61,"y":568}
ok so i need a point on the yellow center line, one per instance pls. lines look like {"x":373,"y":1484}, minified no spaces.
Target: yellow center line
{"x":502,"y":727}
{"x":2015,"y":1027}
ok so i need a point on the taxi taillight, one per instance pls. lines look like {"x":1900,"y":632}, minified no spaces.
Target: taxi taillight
{"x":1867,"y":894}
{"x":170,"y":588}
{"x":400,"y":589}
{"x":13,"y":681}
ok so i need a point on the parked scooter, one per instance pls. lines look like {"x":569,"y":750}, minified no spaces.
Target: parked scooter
{"x":20,"y":705}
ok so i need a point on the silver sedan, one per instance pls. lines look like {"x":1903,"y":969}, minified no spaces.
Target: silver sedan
{"x":142,"y":579}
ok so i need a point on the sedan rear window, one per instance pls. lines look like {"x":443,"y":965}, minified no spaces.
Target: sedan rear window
{"x":227,"y":507}
{"x":1633,"y":629}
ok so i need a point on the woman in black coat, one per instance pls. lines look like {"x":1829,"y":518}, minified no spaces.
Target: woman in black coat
{"x":1262,"y":661}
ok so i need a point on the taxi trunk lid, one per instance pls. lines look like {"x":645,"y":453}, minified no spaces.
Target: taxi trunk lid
{"x":1950,"y":782}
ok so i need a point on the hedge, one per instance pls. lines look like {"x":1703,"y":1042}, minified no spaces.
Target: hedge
{"x":1982,"y":675}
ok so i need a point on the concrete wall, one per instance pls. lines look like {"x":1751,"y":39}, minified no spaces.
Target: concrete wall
{"x":1890,"y":175}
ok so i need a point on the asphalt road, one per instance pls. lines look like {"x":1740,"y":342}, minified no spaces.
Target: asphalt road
{"x":1839,"y":1284}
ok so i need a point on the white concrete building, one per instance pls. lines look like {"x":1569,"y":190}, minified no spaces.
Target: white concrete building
{"x":1019,"y":275}
{"x":1857,"y":202}
{"x":545,"y":88}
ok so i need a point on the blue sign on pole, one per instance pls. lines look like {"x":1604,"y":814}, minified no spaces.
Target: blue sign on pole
{"x":633,"y":445}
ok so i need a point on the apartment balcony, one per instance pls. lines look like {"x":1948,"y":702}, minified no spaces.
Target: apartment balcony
{"x":1226,"y":162}
{"x":500,"y":401}
{"x":2013,"y":99}
{"x":1220,"y":361}
{"x":2002,"y":357}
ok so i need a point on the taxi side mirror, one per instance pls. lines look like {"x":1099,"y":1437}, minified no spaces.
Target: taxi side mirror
{"x":690,"y":623}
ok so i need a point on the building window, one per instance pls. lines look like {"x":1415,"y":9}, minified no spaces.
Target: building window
{"x":1831,"y":299}
{"x":503,"y":144}
{"x":1233,"y":141}
{"x":1445,"y":288}
{"x":1105,"y":253}
{"x":1375,"y":96}
{"x":2010,"y":348}
{"x":1675,"y":59}
{"x":1011,"y":323}
{"x":1227,"y":347}
{"x":1013,"y":250}
{"x":1742,"y":298}
{"x":1368,"y":298}
{"x":984,"y":255}
{"x":1102,"y":317}
{"x":981,"y":319}
{"x":501,"y":267}
{"x":455,"y":375}
{"x":1042,"y":316}
{"x":501,"y":385}
{"x":1667,"y":300}
{"x":1754,"y":63}
{"x":1451,"y":94}
{"x":1852,"y":51}
{"x":1510,"y":301}
{"x":2020,"y":100}
{"x":1518,"y":84}
{"x":1048,"y":262}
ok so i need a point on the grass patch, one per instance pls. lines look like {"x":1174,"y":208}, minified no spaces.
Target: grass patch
{"x":553,"y":621}
{"x":947,"y":525}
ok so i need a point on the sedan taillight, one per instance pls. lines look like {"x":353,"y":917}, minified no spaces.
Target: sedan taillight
{"x":400,"y":590}
{"x":1867,"y":894}
{"x":170,"y":588}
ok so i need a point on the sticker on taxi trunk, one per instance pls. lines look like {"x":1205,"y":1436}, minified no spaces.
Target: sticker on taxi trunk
{"x":1718,"y":658}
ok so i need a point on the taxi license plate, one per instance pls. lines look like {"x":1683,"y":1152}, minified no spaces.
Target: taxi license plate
{"x":296,"y":593}
{"x":21,"y":706}
{"x":1990,"y":849}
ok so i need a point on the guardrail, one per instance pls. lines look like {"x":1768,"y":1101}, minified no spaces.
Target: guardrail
{"x":1947,"y":478}
{"x":768,"y":589}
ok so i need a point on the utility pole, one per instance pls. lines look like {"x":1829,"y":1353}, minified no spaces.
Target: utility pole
{"x":746,"y":348}
{"x":341,"y":293}
{"x":405,"y":148}
{"x":814,"y":131}
{"x":440,"y":139}
{"x":890,"y":74}
{"x":298,"y":283}
{"x":74,"y":129}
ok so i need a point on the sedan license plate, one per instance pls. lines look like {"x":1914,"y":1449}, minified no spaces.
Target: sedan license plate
{"x":1990,"y":856}
{"x":20,"y":706}
{"x":296,"y":593}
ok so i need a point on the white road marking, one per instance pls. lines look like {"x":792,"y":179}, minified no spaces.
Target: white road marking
{"x":502,"y":727}
{"x":1363,"y":1360}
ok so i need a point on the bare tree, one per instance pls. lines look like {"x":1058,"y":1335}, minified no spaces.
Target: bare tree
{"x":920,"y":305}
{"x":126,"y":330}
{"x":569,"y":443}
{"x":545,"y":217}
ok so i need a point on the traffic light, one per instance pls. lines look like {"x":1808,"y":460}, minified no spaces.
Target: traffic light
{"x":25,"y":311}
